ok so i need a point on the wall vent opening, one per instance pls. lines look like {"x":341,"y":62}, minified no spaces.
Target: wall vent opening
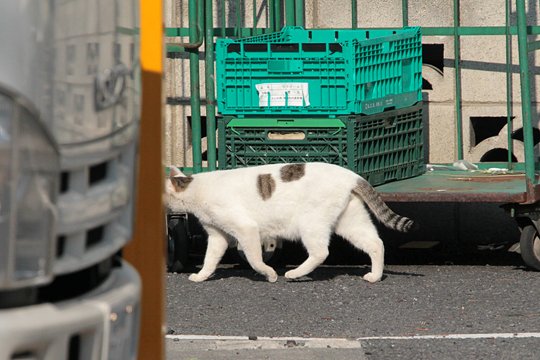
{"x":433,"y":54}
{"x":518,"y":135}
{"x":203,"y":125}
{"x":484,"y":127}
{"x":426,"y":85}
{"x":497,"y":155}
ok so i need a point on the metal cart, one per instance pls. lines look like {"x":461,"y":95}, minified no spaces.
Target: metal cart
{"x":516,"y":184}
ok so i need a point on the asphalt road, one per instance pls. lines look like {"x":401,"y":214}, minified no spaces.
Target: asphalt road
{"x":488,"y":312}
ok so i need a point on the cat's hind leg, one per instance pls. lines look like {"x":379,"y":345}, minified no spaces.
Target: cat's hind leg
{"x":249,"y":238}
{"x":356,"y":226}
{"x":217,"y":245}
{"x":315,"y":240}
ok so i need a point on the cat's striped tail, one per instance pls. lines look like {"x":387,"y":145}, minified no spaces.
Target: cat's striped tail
{"x":382,"y":212}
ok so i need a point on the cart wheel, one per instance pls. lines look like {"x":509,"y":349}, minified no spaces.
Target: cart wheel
{"x":177,"y":247}
{"x":529,"y":244}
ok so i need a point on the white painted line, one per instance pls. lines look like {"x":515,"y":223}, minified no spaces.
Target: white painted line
{"x":204,"y":342}
{"x":220,"y":337}
{"x":411,"y":337}
{"x":455,"y":336}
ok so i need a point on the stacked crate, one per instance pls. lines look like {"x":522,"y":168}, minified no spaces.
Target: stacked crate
{"x":349,"y":97}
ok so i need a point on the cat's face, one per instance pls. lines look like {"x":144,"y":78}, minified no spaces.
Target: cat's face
{"x":175,"y":186}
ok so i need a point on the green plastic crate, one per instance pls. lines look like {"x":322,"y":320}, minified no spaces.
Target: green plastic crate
{"x":285,"y":35}
{"x":297,"y":34}
{"x":250,"y":142}
{"x":382,"y":148}
{"x":308,"y":73}
{"x":388,"y":146}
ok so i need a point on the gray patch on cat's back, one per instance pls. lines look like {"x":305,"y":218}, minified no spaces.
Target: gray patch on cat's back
{"x":181,"y":183}
{"x":292,"y":172}
{"x":266,"y":185}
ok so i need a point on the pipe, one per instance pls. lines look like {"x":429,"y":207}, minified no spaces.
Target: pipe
{"x":239,"y":17}
{"x":289,"y":12}
{"x":277,"y":15}
{"x":509,"y":120}
{"x":457,"y":51}
{"x":354,"y":14}
{"x":196,"y":40}
{"x":210,"y":92}
{"x":405,"y":12}
{"x":299,"y":13}
{"x":255,"y":20}
{"x":194,"y":24}
{"x":525,"y":96}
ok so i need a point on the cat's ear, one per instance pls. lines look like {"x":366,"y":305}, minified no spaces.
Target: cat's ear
{"x":177,"y":178}
{"x":180,"y":183}
{"x":175,"y":172}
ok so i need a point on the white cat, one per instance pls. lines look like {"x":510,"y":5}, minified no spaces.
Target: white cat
{"x":289,"y":201}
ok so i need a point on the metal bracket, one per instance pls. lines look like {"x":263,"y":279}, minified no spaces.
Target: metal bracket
{"x":530,"y":212}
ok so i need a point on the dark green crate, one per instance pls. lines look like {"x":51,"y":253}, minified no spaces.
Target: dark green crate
{"x":250,"y":142}
{"x":382,"y":148}
{"x":388,"y":146}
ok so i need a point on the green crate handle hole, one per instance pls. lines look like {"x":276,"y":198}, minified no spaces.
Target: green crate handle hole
{"x":286,"y":135}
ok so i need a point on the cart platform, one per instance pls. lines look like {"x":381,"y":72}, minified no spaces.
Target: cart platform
{"x":459,"y":186}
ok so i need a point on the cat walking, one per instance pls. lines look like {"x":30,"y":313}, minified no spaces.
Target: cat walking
{"x":306,"y":202}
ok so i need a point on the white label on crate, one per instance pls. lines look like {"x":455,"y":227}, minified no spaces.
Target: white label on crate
{"x":283,"y":94}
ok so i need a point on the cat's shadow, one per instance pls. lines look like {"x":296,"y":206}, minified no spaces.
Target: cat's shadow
{"x":330,"y":273}
{"x":320,"y":274}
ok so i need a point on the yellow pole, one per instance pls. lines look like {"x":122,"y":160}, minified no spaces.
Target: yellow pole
{"x":147,"y":249}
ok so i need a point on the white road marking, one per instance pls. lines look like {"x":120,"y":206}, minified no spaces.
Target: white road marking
{"x":220,"y":337}
{"x":456,"y":336}
{"x":348,"y":341}
{"x":210,"y":342}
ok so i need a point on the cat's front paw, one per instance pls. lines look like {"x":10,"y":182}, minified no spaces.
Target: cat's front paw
{"x":197,"y":277}
{"x":371,"y":277}
{"x":291,"y":274}
{"x":272,"y":277}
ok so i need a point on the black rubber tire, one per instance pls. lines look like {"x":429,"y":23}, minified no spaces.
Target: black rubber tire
{"x":529,"y":244}
{"x":178,"y":247}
